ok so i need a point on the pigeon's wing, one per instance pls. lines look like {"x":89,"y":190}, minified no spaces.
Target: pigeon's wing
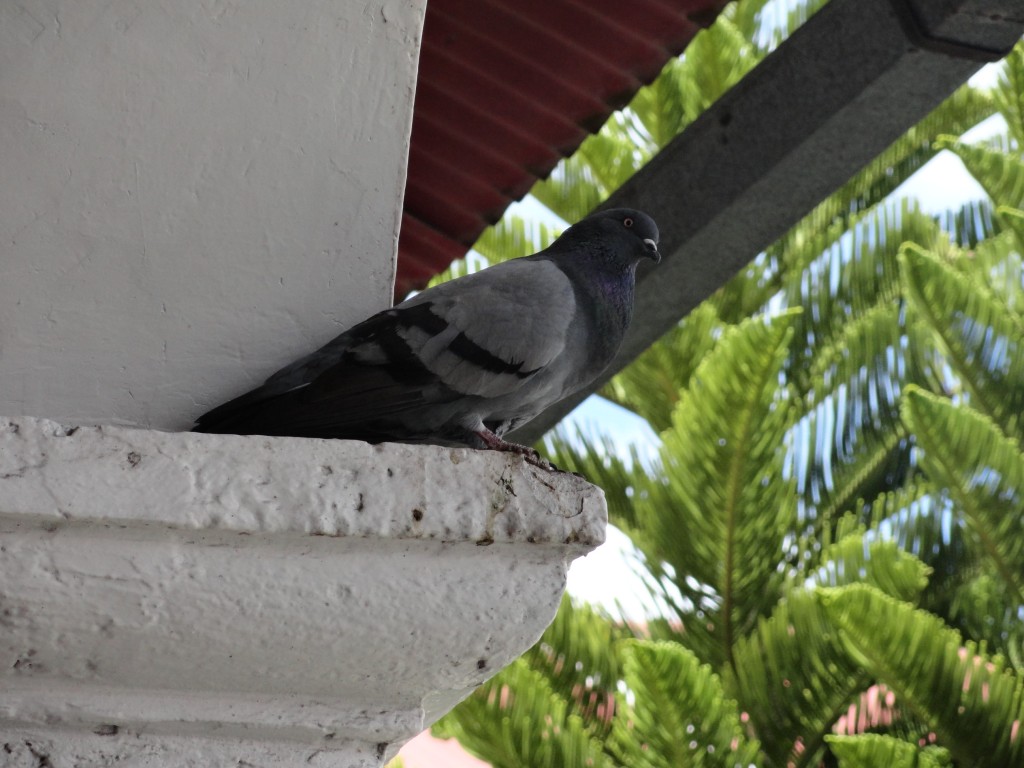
{"x":485,"y":334}
{"x":482,"y":336}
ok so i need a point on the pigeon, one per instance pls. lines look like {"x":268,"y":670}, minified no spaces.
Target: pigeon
{"x":466,"y":361}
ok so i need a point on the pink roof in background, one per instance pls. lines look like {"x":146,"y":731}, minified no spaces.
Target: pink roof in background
{"x":427,"y":752}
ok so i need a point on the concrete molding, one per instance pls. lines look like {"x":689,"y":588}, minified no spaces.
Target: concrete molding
{"x":270,"y":600}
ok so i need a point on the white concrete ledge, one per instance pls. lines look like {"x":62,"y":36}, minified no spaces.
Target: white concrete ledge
{"x":270,"y":600}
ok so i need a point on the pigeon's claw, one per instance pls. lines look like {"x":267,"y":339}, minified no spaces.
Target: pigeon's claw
{"x":495,"y":443}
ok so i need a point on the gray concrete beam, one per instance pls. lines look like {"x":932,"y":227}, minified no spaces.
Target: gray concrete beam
{"x":842,"y":88}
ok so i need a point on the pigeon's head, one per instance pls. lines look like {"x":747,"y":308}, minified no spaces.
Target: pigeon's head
{"x":628,"y":235}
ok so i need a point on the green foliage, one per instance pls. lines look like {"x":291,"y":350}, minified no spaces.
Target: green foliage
{"x":1009,"y":95}
{"x":858,"y":559}
{"x":793,"y":679}
{"x":517,"y":719}
{"x":718,"y":458}
{"x":833,"y":515}
{"x":680,"y":715}
{"x":1008,"y":254}
{"x":971,"y":699}
{"x":997,"y":168}
{"x":872,"y":750}
{"x":979,"y":335}
{"x":573,"y":656}
{"x":982,"y":470}
{"x":792,"y":674}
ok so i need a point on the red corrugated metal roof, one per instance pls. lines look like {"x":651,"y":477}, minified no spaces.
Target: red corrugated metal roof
{"x":506,"y":89}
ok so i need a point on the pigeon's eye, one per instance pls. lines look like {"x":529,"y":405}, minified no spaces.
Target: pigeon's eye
{"x":627,"y":222}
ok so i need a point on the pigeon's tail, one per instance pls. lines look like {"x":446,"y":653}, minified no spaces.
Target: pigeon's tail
{"x":249,"y":425}
{"x":245,"y":415}
{"x":366,"y":403}
{"x":281,"y":416}
{"x":239,"y":423}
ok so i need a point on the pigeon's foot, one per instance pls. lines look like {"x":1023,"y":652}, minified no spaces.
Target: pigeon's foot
{"x":495,"y":443}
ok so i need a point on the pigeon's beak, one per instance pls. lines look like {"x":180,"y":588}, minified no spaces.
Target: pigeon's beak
{"x":652,"y":250}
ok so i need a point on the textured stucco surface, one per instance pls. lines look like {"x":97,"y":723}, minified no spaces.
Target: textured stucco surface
{"x":252,"y":484}
{"x":192,"y":194}
{"x":330,"y":595}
